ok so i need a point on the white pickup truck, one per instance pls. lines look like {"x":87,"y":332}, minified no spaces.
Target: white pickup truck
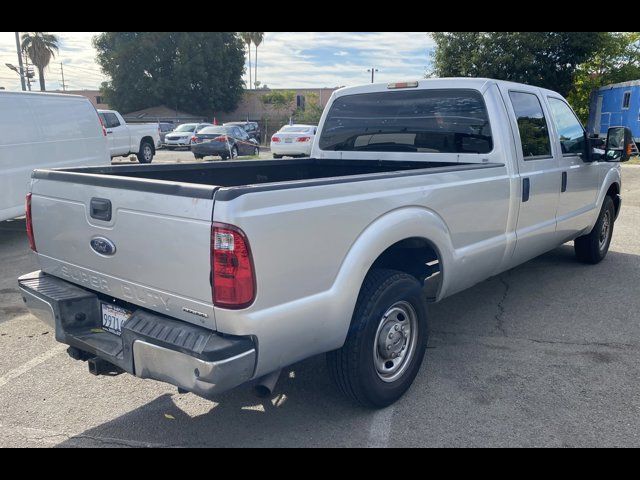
{"x":208,"y":276}
{"x":125,"y":139}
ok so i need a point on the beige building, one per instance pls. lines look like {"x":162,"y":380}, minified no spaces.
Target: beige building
{"x":93,"y":95}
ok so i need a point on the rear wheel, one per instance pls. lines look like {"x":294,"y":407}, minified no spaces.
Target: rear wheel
{"x":592,"y":248}
{"x":145,"y":155}
{"x":386,"y":342}
{"x":277,"y":156}
{"x":198,"y":157}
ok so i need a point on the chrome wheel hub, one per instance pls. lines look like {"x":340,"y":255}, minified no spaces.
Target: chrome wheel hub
{"x":395,"y":342}
{"x":605,"y":231}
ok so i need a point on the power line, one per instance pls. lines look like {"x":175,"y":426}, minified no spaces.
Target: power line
{"x":87,"y":69}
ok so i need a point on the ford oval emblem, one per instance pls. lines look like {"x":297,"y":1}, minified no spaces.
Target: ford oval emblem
{"x":103,"y":246}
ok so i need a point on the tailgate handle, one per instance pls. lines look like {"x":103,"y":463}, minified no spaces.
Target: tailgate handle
{"x":101,"y":209}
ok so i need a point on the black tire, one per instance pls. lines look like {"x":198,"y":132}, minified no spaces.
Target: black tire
{"x":224,"y":157}
{"x":353,"y":367}
{"x":592,"y":248}
{"x":146,"y":152}
{"x":277,"y":156}
{"x":198,"y":157}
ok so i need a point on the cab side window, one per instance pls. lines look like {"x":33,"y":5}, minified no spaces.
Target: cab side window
{"x":532,"y":125}
{"x":111,"y":121}
{"x":568,"y":126}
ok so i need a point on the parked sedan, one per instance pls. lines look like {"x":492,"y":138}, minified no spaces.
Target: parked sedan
{"x":224,"y":142}
{"x":293,"y":141}
{"x":164,"y":128}
{"x":181,"y":136}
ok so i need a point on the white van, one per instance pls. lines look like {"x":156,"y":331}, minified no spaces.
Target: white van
{"x":44,"y":130}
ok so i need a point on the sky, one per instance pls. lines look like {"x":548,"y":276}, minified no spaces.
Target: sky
{"x":285,"y":59}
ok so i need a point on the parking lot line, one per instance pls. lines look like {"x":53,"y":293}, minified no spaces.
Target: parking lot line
{"x":31,"y":364}
{"x":380,"y":428}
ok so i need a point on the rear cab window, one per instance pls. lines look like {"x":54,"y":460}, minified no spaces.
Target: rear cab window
{"x":532,"y":125}
{"x":421,"y":121}
{"x":109,"y":119}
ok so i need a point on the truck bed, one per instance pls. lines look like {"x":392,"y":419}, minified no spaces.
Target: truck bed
{"x":202,"y":179}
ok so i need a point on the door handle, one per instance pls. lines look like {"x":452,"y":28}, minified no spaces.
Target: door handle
{"x":526,"y":186}
{"x":109,"y":132}
{"x":564,"y":182}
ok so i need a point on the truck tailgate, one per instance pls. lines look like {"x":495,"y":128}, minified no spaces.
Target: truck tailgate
{"x":160,"y":242}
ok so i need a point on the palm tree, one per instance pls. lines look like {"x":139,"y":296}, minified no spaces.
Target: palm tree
{"x":246,"y":38}
{"x":40,"y":47}
{"x":257,"y":38}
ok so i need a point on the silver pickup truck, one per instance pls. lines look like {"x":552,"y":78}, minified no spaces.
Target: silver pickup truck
{"x":212,"y":275}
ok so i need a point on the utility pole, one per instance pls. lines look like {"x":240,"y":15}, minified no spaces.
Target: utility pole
{"x":373,"y":71}
{"x":27,"y":73}
{"x":64,"y":87}
{"x":21,"y":72}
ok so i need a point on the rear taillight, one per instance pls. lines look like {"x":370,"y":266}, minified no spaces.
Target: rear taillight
{"x":233,"y":276}
{"x":194,"y":139}
{"x":32,"y":240}
{"x":221,"y":138}
{"x":303,"y":139}
{"x":275,"y":139}
{"x":104,"y":130}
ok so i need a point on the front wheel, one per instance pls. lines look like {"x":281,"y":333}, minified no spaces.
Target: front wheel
{"x":592,"y":248}
{"x":386,"y":343}
{"x":145,"y":155}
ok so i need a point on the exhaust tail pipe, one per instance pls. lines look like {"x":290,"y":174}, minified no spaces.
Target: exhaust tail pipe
{"x":267,"y":384}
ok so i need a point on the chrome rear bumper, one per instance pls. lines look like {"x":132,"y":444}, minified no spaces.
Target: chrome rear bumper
{"x":151,"y":346}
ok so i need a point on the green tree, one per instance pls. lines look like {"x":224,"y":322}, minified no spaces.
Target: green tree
{"x":617,"y":60}
{"x":198,"y":72}
{"x":257,"y":38}
{"x":282,"y":101}
{"x":544,"y":59}
{"x":312,"y":110}
{"x":41,"y":47}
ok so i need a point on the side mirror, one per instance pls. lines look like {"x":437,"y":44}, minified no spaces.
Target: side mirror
{"x":620,"y":146}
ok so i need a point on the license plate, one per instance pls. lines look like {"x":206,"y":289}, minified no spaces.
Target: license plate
{"x":113,"y":318}
{"x":288,"y":140}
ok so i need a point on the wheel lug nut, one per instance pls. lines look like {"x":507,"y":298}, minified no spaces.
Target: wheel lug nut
{"x":396,"y":328}
{"x":389,"y":347}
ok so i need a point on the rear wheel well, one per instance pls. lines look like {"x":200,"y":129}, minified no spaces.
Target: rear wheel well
{"x":416,"y":256}
{"x":148,"y":140}
{"x":613,"y":192}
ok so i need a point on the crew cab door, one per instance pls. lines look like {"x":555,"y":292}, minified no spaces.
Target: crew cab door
{"x":579,"y":180}
{"x":117,"y":134}
{"x":538,"y":172}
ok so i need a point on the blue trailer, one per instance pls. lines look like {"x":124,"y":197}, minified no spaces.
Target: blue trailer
{"x":616,"y":105}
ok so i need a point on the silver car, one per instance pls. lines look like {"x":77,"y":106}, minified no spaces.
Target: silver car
{"x":182,"y":135}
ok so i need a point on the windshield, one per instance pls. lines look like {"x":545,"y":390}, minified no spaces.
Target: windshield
{"x":214,"y":130}
{"x":187,"y":127}
{"x":427,"y":121}
{"x":292,"y":129}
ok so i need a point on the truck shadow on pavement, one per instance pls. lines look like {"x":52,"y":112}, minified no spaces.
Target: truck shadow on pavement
{"x":525,"y":358}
